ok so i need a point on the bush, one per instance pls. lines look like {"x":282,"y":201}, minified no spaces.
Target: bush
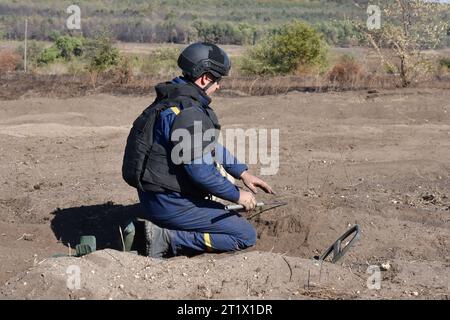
{"x":346,"y":73}
{"x":76,"y":67}
{"x":124,"y":70}
{"x":54,"y":35}
{"x":65,"y":47}
{"x":341,"y":33}
{"x":101,"y":55}
{"x":161,"y":62}
{"x":225,"y":32}
{"x":443,"y":66}
{"x":48,"y":55}
{"x":294,"y":46}
{"x":34,"y":51}
{"x":9,"y":61}
{"x":69,"y":46}
{"x":2,"y":32}
{"x":78,"y":54}
{"x":445,"y":63}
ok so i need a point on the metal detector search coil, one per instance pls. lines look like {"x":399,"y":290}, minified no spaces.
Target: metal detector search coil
{"x":336,"y":247}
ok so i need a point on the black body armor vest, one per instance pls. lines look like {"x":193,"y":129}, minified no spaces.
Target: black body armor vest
{"x":147,"y":165}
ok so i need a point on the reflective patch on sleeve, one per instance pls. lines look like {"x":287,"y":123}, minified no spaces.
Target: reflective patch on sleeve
{"x":175,"y":110}
{"x":208,"y":242}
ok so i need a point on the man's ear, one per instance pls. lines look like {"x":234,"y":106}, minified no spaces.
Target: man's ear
{"x":206,"y":79}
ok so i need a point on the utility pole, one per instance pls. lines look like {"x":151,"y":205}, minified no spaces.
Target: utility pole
{"x":26,"y":44}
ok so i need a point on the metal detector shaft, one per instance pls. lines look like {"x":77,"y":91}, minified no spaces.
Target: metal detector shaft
{"x":238,"y":207}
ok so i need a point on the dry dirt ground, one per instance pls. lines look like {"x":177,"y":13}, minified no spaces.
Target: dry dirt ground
{"x":380,"y":160}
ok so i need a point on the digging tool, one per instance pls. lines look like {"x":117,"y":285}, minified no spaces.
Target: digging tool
{"x":337,"y":249}
{"x":260,"y":205}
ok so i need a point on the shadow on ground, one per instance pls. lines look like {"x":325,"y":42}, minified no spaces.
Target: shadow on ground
{"x":102,"y":221}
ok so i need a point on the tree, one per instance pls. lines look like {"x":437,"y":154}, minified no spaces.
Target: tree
{"x":290,"y":48}
{"x":408,"y":28}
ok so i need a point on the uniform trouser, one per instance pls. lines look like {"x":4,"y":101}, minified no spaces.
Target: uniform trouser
{"x":207,"y":227}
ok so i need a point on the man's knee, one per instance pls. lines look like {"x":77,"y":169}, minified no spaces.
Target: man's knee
{"x":247,"y":236}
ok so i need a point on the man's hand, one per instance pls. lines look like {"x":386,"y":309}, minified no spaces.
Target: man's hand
{"x":252,"y":182}
{"x":247,"y":199}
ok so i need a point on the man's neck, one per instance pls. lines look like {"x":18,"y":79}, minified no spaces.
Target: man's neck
{"x":205,"y":98}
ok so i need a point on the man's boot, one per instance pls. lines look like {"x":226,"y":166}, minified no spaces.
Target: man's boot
{"x":157,"y":241}
{"x":128,"y":237}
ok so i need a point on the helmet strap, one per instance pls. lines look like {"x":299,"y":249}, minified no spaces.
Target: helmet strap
{"x":209,"y":85}
{"x":191,"y":80}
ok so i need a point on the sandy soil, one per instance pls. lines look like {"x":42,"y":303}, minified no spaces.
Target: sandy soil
{"x":379,"y":160}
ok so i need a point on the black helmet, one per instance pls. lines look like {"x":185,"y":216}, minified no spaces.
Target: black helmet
{"x":201,"y":57}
